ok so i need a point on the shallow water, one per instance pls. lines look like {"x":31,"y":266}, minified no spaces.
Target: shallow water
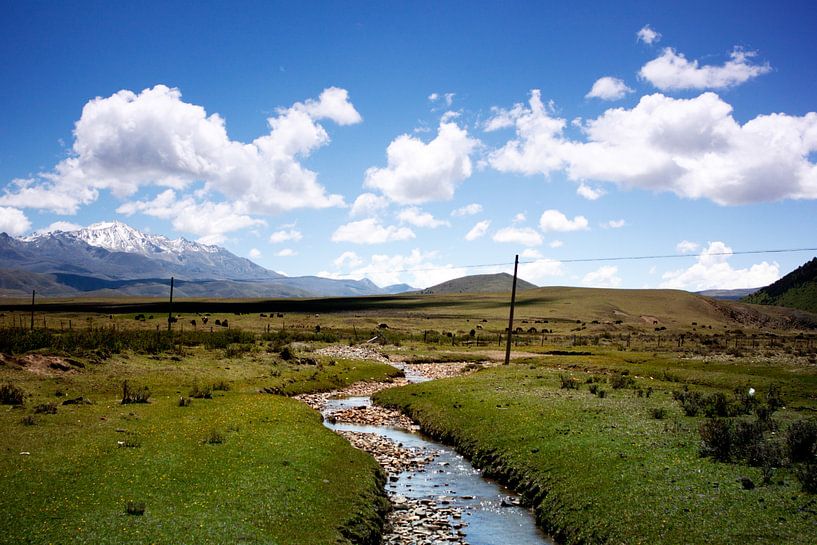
{"x":451,"y":478}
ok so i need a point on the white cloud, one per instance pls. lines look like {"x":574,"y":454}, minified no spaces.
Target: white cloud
{"x":603,"y":277}
{"x":153,"y":138}
{"x":609,"y":88}
{"x":687,"y":247}
{"x":556,"y":244}
{"x":712,"y":271}
{"x":531,"y":253}
{"x":648,"y":35}
{"x":13,"y":221}
{"x":467,"y":210}
{"x":519,"y":218}
{"x":433,"y":97}
{"x":553,"y":220}
{"x":286,"y":252}
{"x":418,"y":218}
{"x":418,"y":172}
{"x":478,"y":230}
{"x":448,"y":98}
{"x":540,"y":270}
{"x":589,"y":193}
{"x":614,"y":224}
{"x":255,"y":253}
{"x":524,"y":235}
{"x":370,"y":231}
{"x":347,"y":259}
{"x":418,"y":269}
{"x":691,"y":147}
{"x":671,"y":71}
{"x":64,"y":226}
{"x":368,"y":204}
{"x":285,"y":235}
{"x":209,"y":220}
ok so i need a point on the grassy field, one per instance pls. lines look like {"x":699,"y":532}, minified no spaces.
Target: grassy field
{"x":239,"y":467}
{"x":606,"y":469}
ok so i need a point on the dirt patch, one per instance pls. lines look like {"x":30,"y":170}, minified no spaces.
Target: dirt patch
{"x":42,"y":365}
{"x":652,"y":320}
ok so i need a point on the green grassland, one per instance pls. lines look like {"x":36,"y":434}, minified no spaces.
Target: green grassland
{"x":240,"y":467}
{"x":605,"y":469}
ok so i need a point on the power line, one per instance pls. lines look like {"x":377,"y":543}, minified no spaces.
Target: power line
{"x":618,"y":258}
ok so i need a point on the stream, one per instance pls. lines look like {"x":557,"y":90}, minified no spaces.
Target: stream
{"x":438,"y":496}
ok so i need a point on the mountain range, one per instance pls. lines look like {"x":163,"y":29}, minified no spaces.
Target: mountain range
{"x":112,"y":258}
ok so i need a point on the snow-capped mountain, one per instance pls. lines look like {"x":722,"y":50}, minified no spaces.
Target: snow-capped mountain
{"x":118,"y":251}
{"x":111,"y":258}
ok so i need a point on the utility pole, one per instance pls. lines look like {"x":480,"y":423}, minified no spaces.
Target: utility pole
{"x":510,"y":318}
{"x":170,"y":305}
{"x":32,"y":309}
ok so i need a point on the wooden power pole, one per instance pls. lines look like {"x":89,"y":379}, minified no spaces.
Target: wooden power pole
{"x":32,"y":309}
{"x":510,"y":318}
{"x":170,"y":306}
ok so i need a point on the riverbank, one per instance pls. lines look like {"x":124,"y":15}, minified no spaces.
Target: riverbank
{"x":605,"y":469}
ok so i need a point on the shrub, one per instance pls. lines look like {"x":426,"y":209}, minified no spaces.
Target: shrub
{"x":801,"y":438}
{"x":221,"y":386}
{"x":691,"y":402}
{"x":569,"y":382}
{"x":46,"y":408}
{"x":136,"y":508}
{"x":28,"y":420}
{"x":717,"y":405}
{"x":620,"y":380}
{"x":745,"y":401}
{"x":11,"y":394}
{"x":601,"y":393}
{"x":215,"y":437}
{"x":807,"y":475}
{"x":134,"y":395}
{"x":717,"y":439}
{"x":659,"y":413}
{"x":774,"y":397}
{"x":286,"y":353}
{"x":594,"y":388}
{"x":185,"y":401}
{"x":201,"y":392}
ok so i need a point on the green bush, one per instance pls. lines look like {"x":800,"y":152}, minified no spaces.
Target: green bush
{"x":201,"y":392}
{"x":621,"y":380}
{"x":46,"y":408}
{"x":717,"y":439}
{"x":11,"y":394}
{"x":659,"y":413}
{"x":807,"y":475}
{"x":801,"y":438}
{"x":134,"y":395}
{"x":569,"y":382}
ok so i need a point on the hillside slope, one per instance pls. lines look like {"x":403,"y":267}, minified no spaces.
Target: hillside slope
{"x":479,"y":283}
{"x":798,"y":289}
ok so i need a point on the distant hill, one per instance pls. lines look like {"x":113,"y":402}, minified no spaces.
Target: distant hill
{"x":728,"y":295}
{"x":479,"y":283}
{"x":798,"y":289}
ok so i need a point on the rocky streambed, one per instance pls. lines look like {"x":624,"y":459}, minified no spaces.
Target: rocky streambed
{"x":437,"y":496}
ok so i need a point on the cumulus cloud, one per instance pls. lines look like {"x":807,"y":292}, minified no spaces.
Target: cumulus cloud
{"x":671,"y":71}
{"x":368,"y":204}
{"x":467,"y":210}
{"x":448,"y":98}
{"x":691,"y":147}
{"x":603,"y":277}
{"x":347,"y":259}
{"x":418,"y":218}
{"x":609,"y":88}
{"x":13,"y":221}
{"x":286,"y":252}
{"x":478,"y":230}
{"x":589,"y":193}
{"x":540,"y":270}
{"x":519,"y":218}
{"x":284,"y":235}
{"x":614,"y":224}
{"x":522,"y":235}
{"x":687,"y":247}
{"x":419,"y":269}
{"x":153,"y":138}
{"x":370,"y":231}
{"x":64,"y":226}
{"x":209,"y":220}
{"x":556,"y":243}
{"x":553,"y":220}
{"x":713,"y":271}
{"x":648,"y":35}
{"x":418,"y":172}
{"x":255,"y":253}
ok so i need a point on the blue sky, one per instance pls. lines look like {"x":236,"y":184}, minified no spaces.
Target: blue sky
{"x":408,"y":141}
